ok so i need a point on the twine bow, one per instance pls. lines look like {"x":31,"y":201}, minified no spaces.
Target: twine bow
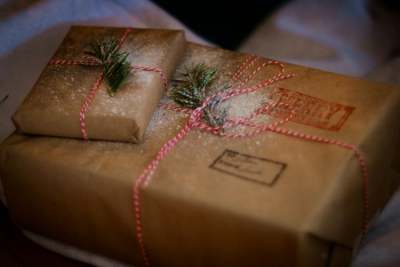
{"x":195,"y":122}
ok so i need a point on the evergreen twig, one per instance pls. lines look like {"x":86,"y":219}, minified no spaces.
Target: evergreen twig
{"x":193,"y":89}
{"x":115,"y":63}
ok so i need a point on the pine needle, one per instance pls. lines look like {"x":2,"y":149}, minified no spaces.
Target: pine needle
{"x":193,"y":89}
{"x":115,"y":63}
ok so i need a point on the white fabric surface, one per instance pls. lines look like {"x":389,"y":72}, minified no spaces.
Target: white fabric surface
{"x":73,"y":252}
{"x":383,"y":240}
{"x":333,"y":35}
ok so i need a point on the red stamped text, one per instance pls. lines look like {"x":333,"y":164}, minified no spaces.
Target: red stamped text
{"x":309,"y":110}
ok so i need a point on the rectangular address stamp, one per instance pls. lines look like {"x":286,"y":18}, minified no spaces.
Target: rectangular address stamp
{"x":309,"y":110}
{"x":255,"y":169}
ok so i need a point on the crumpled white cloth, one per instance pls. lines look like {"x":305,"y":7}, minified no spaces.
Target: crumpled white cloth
{"x":334,"y":35}
{"x":73,"y":252}
{"x":383,"y":240}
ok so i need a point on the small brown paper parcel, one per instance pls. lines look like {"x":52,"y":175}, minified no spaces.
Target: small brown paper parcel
{"x":268,"y":200}
{"x":53,"y":107}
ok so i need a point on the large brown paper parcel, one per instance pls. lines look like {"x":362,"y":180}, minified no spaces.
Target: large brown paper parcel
{"x":53,"y":106}
{"x":270,"y":200}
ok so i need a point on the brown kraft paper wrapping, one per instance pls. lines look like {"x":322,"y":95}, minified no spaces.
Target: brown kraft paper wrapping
{"x":270,"y":200}
{"x":52,"y":107}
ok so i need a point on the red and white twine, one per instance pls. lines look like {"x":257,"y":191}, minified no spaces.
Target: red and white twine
{"x":87,"y":102}
{"x":195,"y":122}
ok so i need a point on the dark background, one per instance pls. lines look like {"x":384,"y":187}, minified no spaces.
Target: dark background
{"x":225,"y":23}
{"x":228,"y":23}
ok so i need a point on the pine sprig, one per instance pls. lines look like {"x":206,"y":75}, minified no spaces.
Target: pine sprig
{"x":115,"y":63}
{"x":193,"y":89}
